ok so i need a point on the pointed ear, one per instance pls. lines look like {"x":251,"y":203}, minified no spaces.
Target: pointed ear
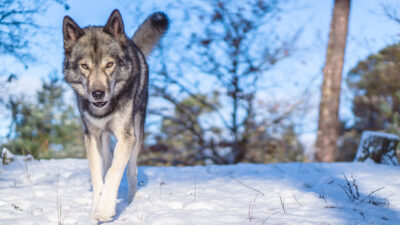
{"x":114,"y":25}
{"x":71,"y":32}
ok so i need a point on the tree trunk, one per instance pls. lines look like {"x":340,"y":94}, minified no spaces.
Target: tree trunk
{"x":328,"y":123}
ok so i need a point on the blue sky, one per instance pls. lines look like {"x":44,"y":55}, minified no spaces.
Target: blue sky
{"x":369,"y":31}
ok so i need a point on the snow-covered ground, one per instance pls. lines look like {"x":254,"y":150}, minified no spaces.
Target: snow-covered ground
{"x":59,"y":192}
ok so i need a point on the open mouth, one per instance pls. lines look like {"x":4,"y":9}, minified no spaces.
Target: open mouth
{"x":99,"y":104}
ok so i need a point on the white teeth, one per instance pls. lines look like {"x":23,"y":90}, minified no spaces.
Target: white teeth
{"x":99,"y":104}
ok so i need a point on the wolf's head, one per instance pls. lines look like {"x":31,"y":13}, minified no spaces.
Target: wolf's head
{"x":101,"y":61}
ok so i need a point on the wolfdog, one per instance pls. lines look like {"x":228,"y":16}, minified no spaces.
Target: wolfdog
{"x":109,"y":74}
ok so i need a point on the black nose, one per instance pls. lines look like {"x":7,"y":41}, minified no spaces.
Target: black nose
{"x":98,"y":95}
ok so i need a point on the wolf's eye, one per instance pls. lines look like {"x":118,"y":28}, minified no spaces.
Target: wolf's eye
{"x":109,"y":65}
{"x":84,"y":66}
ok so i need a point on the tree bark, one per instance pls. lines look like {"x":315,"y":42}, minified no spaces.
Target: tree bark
{"x":328,"y":122}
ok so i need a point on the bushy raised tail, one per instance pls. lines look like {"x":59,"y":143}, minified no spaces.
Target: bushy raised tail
{"x":151,"y":31}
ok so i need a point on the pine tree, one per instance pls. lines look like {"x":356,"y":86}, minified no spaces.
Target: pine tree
{"x":375,"y":83}
{"x":47,"y":128}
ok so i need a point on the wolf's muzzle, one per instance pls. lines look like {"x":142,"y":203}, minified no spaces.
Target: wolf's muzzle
{"x":99,"y":99}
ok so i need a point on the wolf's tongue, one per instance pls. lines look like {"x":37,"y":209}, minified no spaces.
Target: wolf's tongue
{"x":99,"y":104}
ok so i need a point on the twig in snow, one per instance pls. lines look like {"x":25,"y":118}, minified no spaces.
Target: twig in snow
{"x":322,"y":195}
{"x":161,"y":184}
{"x":373,"y":200}
{"x":265,"y":220}
{"x":240,"y":182}
{"x":16,"y":207}
{"x":370,"y":194}
{"x":27,"y":172}
{"x":282,"y":204}
{"x":58,"y":205}
{"x":294,"y":196}
{"x":351,"y":190}
{"x":251,"y":208}
{"x":195,"y":187}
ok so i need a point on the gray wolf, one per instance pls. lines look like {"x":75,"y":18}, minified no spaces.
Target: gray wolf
{"x":108,"y":72}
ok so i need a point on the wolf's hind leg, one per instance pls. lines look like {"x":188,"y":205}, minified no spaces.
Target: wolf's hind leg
{"x":131,"y":171}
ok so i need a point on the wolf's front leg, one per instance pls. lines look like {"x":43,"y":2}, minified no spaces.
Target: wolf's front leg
{"x":105,"y":152}
{"x":92,"y":144}
{"x":105,"y":209}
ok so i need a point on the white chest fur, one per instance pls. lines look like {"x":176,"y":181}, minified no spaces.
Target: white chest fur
{"x":98,"y":122}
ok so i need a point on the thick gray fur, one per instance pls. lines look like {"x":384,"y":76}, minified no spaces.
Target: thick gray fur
{"x":109,"y":74}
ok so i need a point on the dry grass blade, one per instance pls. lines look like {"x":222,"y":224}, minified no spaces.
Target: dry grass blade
{"x":252,"y":188}
{"x":282,"y":204}
{"x":251,"y":208}
{"x":59,"y":212}
{"x":195,"y":187}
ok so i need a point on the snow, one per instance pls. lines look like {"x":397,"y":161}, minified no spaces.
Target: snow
{"x":59,"y":191}
{"x":373,"y":144}
{"x":367,"y":134}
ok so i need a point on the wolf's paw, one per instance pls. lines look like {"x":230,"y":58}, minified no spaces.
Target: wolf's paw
{"x":102,"y":216}
{"x":93,"y":214}
{"x":131,"y":196}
